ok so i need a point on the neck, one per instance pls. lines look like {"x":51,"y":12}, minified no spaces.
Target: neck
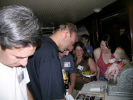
{"x":86,"y":44}
{"x":108,"y":52}
{"x":55,"y":38}
{"x":79,"y":59}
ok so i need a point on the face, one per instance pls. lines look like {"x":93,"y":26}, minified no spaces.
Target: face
{"x":79,"y":52}
{"x":16,"y":57}
{"x":84,"y":40}
{"x":68,"y":41}
{"x":70,"y":48}
{"x":103,"y":47}
{"x":66,"y":52}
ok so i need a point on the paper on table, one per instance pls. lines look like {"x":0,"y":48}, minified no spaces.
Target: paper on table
{"x":95,"y":89}
{"x":94,"y":86}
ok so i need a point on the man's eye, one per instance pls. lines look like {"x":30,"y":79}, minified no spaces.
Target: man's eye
{"x":20,"y":57}
{"x":72,"y":44}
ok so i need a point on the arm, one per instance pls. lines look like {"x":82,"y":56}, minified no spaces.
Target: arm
{"x":91,"y":51}
{"x":29,"y":95}
{"x":72,"y":80}
{"x":121,"y":54}
{"x":96,"y":56}
{"x":92,"y":64}
{"x":98,"y":73}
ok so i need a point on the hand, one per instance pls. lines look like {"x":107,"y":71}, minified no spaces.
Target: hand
{"x":70,"y":90}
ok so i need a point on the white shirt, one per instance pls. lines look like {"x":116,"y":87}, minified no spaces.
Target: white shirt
{"x":13,"y":83}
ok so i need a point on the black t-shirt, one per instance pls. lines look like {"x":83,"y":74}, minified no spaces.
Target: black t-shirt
{"x":45,"y":72}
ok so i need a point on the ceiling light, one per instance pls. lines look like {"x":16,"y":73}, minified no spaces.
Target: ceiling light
{"x":97,"y":10}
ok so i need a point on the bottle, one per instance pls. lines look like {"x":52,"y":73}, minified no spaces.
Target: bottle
{"x":66,"y":86}
{"x":65,"y":78}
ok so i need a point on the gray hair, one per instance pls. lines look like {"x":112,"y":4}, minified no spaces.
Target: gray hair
{"x":18,"y":27}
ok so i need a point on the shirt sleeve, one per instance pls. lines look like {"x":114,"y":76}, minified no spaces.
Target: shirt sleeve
{"x":72,"y":68}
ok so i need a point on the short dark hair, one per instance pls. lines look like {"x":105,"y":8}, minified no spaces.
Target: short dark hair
{"x":18,"y":27}
{"x":109,"y":42}
{"x":86,"y":37}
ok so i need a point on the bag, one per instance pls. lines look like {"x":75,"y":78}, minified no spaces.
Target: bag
{"x":114,"y":69}
{"x":69,"y":96}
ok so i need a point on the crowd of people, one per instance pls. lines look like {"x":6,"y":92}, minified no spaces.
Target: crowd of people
{"x":31,"y":65}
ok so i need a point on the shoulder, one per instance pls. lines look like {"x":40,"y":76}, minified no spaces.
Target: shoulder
{"x":119,"y":53}
{"x":69,"y":55}
{"x":119,"y":50}
{"x":43,"y":50}
{"x":92,"y":64}
{"x":90,"y":59}
{"x":97,"y":51}
{"x":48,"y":45}
{"x":89,"y":47}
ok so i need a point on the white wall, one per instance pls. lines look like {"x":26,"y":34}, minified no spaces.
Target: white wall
{"x":81,"y":31}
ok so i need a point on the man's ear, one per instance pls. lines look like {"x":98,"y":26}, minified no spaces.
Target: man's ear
{"x":67,"y":34}
{"x":0,"y":47}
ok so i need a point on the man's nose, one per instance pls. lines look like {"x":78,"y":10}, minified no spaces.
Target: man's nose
{"x":69,"y":48}
{"x":24,"y":61}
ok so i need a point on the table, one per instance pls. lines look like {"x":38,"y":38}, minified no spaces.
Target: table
{"x":95,"y":87}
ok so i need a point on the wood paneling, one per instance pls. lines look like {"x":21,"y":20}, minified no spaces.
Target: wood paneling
{"x":131,"y":26}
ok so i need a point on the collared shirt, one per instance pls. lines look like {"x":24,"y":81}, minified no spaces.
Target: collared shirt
{"x":67,"y":63}
{"x":45,"y":72}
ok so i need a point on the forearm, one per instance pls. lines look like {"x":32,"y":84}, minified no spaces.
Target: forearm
{"x":29,"y":95}
{"x":98,"y":73}
{"x":73,"y":79}
{"x":72,"y":82}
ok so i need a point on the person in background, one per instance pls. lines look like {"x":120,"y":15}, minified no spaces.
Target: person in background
{"x":125,"y":42}
{"x":44,"y":66}
{"x":85,"y":40}
{"x":104,"y":53}
{"x":19,"y":37}
{"x":83,"y":62}
{"x":67,"y":64}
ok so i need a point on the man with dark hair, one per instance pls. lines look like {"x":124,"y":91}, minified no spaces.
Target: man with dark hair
{"x":44,"y":67}
{"x":85,"y":40}
{"x":19,"y":37}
